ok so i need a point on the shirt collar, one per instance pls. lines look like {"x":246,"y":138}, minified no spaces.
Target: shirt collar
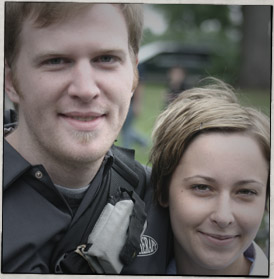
{"x":14,"y":165}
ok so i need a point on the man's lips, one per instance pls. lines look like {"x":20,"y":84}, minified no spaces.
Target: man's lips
{"x":83,"y":121}
{"x":85,"y":117}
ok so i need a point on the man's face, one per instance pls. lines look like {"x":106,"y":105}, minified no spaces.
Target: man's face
{"x":73,"y":83}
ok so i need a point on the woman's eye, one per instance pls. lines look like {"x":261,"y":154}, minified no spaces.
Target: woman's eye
{"x":201,"y":188}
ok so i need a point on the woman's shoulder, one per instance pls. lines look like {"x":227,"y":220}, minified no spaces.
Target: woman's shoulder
{"x":171,"y":268}
{"x":259,"y":260}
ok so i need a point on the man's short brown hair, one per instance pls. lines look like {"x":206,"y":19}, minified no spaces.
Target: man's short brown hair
{"x":46,"y":13}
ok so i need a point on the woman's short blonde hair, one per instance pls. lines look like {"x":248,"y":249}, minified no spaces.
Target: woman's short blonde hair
{"x":213,"y":107}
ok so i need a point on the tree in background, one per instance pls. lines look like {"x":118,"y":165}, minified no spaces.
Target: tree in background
{"x":255,"y":63}
{"x":239,"y":37}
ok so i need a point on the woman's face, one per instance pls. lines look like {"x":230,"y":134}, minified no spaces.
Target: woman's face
{"x":216,"y":202}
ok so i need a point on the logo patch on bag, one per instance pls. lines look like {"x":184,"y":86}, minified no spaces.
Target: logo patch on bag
{"x":148,"y":245}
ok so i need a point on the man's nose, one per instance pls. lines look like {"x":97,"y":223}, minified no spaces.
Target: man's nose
{"x":222,"y":214}
{"x":83,"y":82}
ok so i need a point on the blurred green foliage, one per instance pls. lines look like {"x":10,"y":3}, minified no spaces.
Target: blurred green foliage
{"x":185,"y":25}
{"x":237,"y":51}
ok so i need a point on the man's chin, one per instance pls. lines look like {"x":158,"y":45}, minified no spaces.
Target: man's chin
{"x":84,"y":138}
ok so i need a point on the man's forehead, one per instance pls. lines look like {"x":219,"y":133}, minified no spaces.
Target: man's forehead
{"x":89,"y":28}
{"x":63,"y":12}
{"x":101,"y":15}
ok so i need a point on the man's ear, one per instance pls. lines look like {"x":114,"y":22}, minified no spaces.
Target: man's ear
{"x":136,"y":75}
{"x":9,"y":85}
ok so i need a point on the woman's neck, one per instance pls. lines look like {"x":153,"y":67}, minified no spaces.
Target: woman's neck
{"x":186,"y":266}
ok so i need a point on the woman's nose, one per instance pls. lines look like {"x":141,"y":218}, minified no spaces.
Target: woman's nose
{"x":222,"y":214}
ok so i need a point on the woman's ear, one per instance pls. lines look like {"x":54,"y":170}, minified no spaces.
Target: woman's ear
{"x":163,"y":203}
{"x":9,"y":85}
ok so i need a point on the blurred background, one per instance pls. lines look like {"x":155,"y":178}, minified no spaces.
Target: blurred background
{"x":184,"y":43}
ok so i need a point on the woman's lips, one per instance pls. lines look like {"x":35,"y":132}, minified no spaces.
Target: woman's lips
{"x":218,"y":239}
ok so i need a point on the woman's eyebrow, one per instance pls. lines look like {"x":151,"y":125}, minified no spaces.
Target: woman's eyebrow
{"x":249,"y":181}
{"x":238,"y":183}
{"x":204,"y":177}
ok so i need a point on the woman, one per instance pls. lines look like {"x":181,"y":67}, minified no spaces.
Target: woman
{"x":210,"y":166}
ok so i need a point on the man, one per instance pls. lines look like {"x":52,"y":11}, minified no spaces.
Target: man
{"x":71,"y":202}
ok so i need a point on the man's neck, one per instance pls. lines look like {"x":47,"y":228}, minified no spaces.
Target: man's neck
{"x":71,"y":174}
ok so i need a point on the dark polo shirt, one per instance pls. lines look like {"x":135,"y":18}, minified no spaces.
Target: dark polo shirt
{"x":36,"y":216}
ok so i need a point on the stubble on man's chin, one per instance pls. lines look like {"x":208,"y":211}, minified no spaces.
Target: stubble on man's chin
{"x":84,"y":137}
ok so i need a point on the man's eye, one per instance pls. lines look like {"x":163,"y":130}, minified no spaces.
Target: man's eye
{"x":56,"y":61}
{"x":247,"y":192}
{"x":105,"y":59}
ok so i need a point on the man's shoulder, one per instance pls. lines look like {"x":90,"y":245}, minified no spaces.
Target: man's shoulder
{"x":127,"y":156}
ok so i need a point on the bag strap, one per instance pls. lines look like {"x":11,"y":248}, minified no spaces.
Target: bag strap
{"x":136,"y":176}
{"x":124,"y":173}
{"x":136,"y":228}
{"x":137,"y":179}
{"x":64,"y":251}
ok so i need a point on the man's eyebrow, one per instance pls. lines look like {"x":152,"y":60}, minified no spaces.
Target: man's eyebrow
{"x":38,"y":58}
{"x":115,"y":51}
